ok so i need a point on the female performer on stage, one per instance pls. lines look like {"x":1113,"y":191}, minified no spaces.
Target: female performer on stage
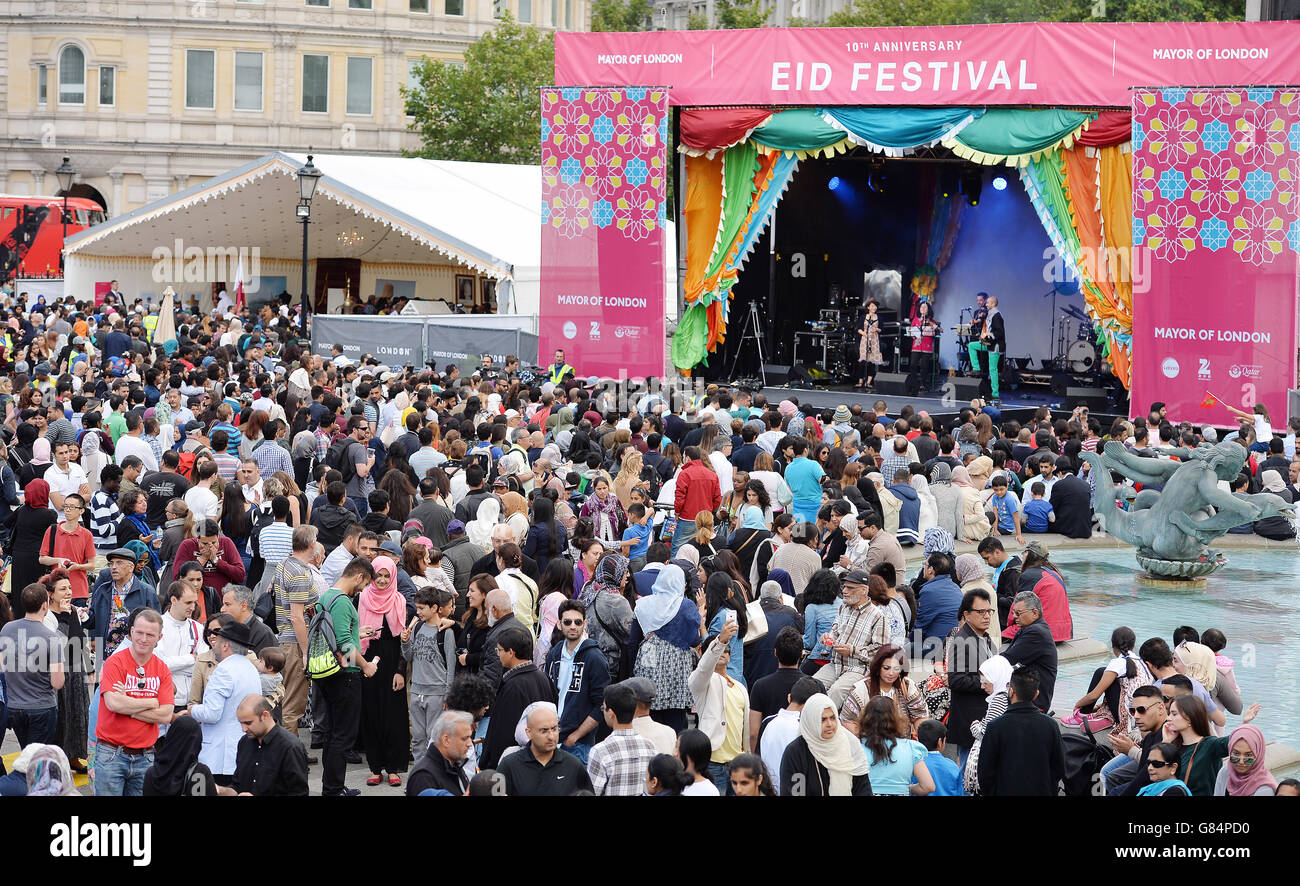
{"x":869,"y":345}
{"x":924,"y":330}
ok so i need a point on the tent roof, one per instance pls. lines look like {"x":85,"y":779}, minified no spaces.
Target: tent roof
{"x":486,"y":216}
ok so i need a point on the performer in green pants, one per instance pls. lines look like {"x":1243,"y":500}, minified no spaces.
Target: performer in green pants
{"x":991,"y":339}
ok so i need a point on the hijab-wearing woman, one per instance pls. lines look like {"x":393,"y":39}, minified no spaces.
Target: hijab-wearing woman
{"x":516,"y":515}
{"x":825,"y":759}
{"x":947,"y":499}
{"x":40,"y":462}
{"x":929,"y":512}
{"x":971,"y":575}
{"x":176,"y":770}
{"x":666,"y":628}
{"x":385,"y":720}
{"x":995,"y":674}
{"x":973,"y":523}
{"x":48,"y":773}
{"x":31,"y":521}
{"x":479,"y":530}
{"x":609,"y":614}
{"x":1246,"y":774}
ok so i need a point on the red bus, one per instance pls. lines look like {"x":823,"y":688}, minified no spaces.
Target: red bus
{"x":31,"y":232}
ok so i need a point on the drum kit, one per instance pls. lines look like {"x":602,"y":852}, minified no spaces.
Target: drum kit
{"x":1081,"y":354}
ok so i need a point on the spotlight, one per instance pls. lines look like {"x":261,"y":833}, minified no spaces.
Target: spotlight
{"x":834,"y":183}
{"x":999,"y":183}
{"x":972,"y":182}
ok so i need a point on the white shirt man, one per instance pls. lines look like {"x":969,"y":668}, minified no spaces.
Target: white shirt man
{"x":781,"y":729}
{"x":65,"y":477}
{"x":131,"y":443}
{"x":201,"y":500}
{"x":182,"y":641}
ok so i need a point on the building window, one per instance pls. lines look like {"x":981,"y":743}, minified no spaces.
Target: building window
{"x":360,"y":74}
{"x":72,"y":76}
{"x":200,"y":78}
{"x":42,"y":84}
{"x":419,"y":5}
{"x":316,"y":84}
{"x":455,"y":7}
{"x":525,"y":10}
{"x":568,"y":15}
{"x":361,"y":4}
{"x":412,"y":82}
{"x":318,"y":2}
{"x":500,"y":8}
{"x":248,"y":81}
{"x":107,"y":87}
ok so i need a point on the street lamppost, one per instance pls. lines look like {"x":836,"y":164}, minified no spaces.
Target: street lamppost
{"x":66,"y":176}
{"x":308,"y":176}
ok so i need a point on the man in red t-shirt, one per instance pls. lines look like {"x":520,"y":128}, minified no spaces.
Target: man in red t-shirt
{"x":137,"y":695}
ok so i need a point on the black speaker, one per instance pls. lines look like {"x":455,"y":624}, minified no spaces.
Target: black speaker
{"x":1060,"y":383}
{"x":903,"y":383}
{"x":1094,"y":398}
{"x":776,"y":373}
{"x":965,"y":389}
{"x":803,"y":374}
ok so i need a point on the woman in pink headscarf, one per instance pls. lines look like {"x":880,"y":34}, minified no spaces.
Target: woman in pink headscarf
{"x":385,"y":722}
{"x":1245,"y":773}
{"x":973,"y":522}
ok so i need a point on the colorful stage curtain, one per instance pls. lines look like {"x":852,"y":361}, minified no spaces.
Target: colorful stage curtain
{"x":802,"y":132}
{"x":1110,"y":128}
{"x":704,"y":130}
{"x":1066,"y":188}
{"x":1015,"y":136}
{"x":897,"y":132}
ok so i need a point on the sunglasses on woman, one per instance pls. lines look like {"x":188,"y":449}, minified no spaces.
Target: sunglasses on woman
{"x":1160,"y":764}
{"x":1248,"y":759}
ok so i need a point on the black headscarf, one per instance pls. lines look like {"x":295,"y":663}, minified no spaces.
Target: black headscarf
{"x":175,"y":755}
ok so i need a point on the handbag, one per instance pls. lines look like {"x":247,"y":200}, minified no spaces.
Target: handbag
{"x":757,"y":628}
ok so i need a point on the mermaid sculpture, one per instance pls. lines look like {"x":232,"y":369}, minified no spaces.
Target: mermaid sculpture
{"x":1172,"y":528}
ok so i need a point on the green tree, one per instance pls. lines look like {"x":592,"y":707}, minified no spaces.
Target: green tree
{"x":621,"y":15}
{"x":741,"y":13}
{"x":899,"y":13}
{"x":489,"y":110}
{"x":697,"y":22}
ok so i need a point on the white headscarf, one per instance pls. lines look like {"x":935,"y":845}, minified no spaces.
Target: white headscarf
{"x":480,"y":529}
{"x":842,"y":754}
{"x":997,"y":670}
{"x":665,"y":600}
{"x":1272,"y":481}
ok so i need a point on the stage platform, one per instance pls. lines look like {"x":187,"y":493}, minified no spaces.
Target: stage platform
{"x":1015,"y":406}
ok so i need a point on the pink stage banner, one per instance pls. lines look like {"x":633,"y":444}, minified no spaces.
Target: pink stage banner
{"x":1035,"y":63}
{"x":1216,"y":198}
{"x":604,"y":157}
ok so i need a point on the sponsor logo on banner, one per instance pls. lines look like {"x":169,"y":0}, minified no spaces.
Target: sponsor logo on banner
{"x":1169,"y":367}
{"x":627,"y":332}
{"x":1245,"y":370}
{"x":570,"y":329}
{"x":594,"y":334}
{"x":1204,"y":371}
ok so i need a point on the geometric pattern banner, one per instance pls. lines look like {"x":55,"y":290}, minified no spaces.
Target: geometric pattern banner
{"x":1217,"y":171}
{"x":1216,"y":210}
{"x":604,"y":185}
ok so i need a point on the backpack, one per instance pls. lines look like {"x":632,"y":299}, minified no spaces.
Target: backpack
{"x":337,"y":458}
{"x":264,"y":601}
{"x":322,"y":644}
{"x":186,"y":466}
{"x":650,"y":477}
{"x":483,"y":457}
{"x":118,"y":366}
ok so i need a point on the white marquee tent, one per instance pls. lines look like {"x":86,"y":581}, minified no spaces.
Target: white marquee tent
{"x":431,"y":230}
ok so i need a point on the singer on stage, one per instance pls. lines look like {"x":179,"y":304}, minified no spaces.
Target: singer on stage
{"x":988,"y":335}
{"x":869,"y":345}
{"x":924,"y":330}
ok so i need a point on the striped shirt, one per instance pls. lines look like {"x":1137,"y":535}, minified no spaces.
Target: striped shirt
{"x":275,"y":543}
{"x":104,"y":517}
{"x":292,"y":583}
{"x":234,"y":436}
{"x":227,"y":465}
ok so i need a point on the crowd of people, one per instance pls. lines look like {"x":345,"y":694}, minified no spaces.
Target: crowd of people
{"x":230,"y":560}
